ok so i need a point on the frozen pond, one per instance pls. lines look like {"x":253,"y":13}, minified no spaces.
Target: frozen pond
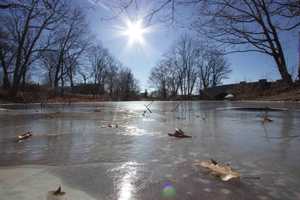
{"x":74,"y":145}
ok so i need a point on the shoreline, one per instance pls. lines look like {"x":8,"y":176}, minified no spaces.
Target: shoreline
{"x":96,"y":102}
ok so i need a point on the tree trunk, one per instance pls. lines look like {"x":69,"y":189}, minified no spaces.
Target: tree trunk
{"x":299,"y":71}
{"x":24,"y":80}
{"x":62,"y":86}
{"x":13,"y":90}
{"x":56,"y":79}
{"x":6,"y":82}
{"x":16,"y":83}
{"x":282,"y":68}
{"x":50,"y":79}
{"x":277,"y":50}
{"x":71,"y":82}
{"x":299,"y":57}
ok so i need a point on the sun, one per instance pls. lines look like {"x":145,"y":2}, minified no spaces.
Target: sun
{"x":135,"y":32}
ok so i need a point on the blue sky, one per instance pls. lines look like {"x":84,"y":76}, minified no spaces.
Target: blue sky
{"x":245,"y":66}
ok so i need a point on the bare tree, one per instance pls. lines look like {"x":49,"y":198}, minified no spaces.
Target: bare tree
{"x":165,"y":78}
{"x":6,"y":58}
{"x":220,"y":68}
{"x":178,"y":70}
{"x":84,"y":76}
{"x":173,"y":76}
{"x":187,"y":62}
{"x":291,"y":8}
{"x":119,"y":8}
{"x":204,"y":69}
{"x":158,"y":79}
{"x":48,"y":61}
{"x":84,"y":69}
{"x":26,"y":25}
{"x":68,"y":44}
{"x":99,"y":58}
{"x":112,"y":76}
{"x":254,"y":24}
{"x":9,"y":4}
{"x":1,"y":77}
{"x":127,"y":84}
{"x":299,"y":58}
{"x":213,"y":66}
{"x":73,"y":61}
{"x":185,"y":57}
{"x":51,"y":37}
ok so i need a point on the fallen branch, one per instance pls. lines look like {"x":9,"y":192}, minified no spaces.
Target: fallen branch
{"x":56,"y":195}
{"x":179,"y":134}
{"x":59,"y":191}
{"x":24,"y":136}
{"x":110,"y":126}
{"x":147,"y":108}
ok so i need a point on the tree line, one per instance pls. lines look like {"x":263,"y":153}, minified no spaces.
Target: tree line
{"x":189,"y":66}
{"x":51,"y":38}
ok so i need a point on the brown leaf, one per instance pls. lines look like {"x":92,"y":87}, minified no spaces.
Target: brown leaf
{"x":225,"y":172}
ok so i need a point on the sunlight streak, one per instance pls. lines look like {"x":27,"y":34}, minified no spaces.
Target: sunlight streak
{"x":125,"y":185}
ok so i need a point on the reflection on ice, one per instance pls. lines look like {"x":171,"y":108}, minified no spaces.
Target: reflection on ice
{"x":125,"y":180}
{"x":134,"y":131}
{"x":148,"y":119}
{"x":126,"y":186}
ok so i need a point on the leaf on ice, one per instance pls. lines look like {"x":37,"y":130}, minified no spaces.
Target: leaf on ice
{"x":225,"y":172}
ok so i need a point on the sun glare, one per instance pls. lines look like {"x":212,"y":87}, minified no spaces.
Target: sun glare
{"x":135,"y":31}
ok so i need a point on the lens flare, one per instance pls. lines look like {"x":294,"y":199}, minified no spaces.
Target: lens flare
{"x":168,"y":191}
